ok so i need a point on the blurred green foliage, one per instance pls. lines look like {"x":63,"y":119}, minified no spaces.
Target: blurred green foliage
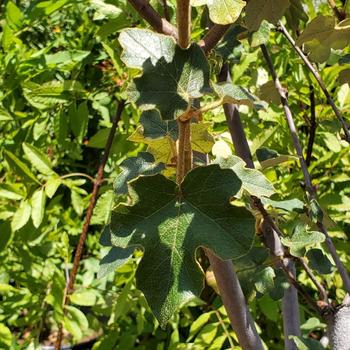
{"x":61,"y":78}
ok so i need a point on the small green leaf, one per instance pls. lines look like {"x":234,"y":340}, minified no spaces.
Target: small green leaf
{"x":79,"y":118}
{"x":14,"y":16}
{"x":306,"y":343}
{"x":264,"y":280}
{"x":47,"y":95}
{"x":38,"y":159}
{"x":6,"y":235}
{"x":19,"y":167}
{"x":316,"y":212}
{"x":38,"y":202}
{"x":269,"y":93}
{"x":52,"y":185}
{"x":75,"y":322}
{"x":234,"y":94}
{"x":253,"y":181}
{"x":133,"y":167}
{"x":170,"y":228}
{"x":261,"y":36}
{"x":319,"y":261}
{"x":198,"y":324}
{"x":103,"y":208}
{"x":115,"y":258}
{"x":5,"y":336}
{"x":83,"y":298}
{"x":269,"y":10}
{"x":288,"y":204}
{"x":77,"y":202}
{"x":222,"y":11}
{"x":21,"y":216}
{"x":301,"y":239}
{"x":10,"y":191}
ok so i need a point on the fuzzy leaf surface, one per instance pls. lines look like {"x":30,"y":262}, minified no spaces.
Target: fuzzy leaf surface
{"x":269,"y":10}
{"x":253,"y":181}
{"x":132,"y":167}
{"x":222,"y":11}
{"x":171,"y":77}
{"x":170,"y":228}
{"x":302,"y":238}
{"x":154,"y":127}
{"x":323,"y":34}
{"x":234,"y":94}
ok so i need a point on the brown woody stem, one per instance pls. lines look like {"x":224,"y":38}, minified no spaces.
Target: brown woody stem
{"x":89,"y":212}
{"x":184,"y":23}
{"x":184,"y":151}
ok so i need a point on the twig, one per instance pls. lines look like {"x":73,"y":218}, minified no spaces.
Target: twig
{"x":290,"y":307}
{"x":79,"y":175}
{"x":159,"y":24}
{"x":93,"y":199}
{"x":166,"y":10}
{"x":310,"y":189}
{"x":300,"y":290}
{"x":213,"y":36}
{"x":318,"y":78}
{"x":338,"y":13}
{"x":321,"y":290}
{"x":183,"y":18}
{"x":235,"y":303}
{"x":313,"y":126}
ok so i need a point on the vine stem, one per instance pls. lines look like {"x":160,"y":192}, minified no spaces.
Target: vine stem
{"x":318,"y":78}
{"x":183,"y":16}
{"x":89,"y":212}
{"x":310,"y":189}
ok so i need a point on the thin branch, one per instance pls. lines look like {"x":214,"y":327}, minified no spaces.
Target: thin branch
{"x":319,"y":80}
{"x":148,"y":13}
{"x":235,"y":303}
{"x":213,"y":36}
{"x":338,"y":13}
{"x":294,"y":282}
{"x":166,"y":10}
{"x":290,"y":307}
{"x":310,"y":189}
{"x":79,"y":175}
{"x":89,"y":212}
{"x":321,"y":290}
{"x":271,"y":232}
{"x":313,"y":126}
{"x":183,"y":18}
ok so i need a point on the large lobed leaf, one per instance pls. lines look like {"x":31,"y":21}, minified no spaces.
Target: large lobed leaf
{"x":170,"y":223}
{"x":172,"y":77}
{"x":259,"y":10}
{"x":323,"y":34}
